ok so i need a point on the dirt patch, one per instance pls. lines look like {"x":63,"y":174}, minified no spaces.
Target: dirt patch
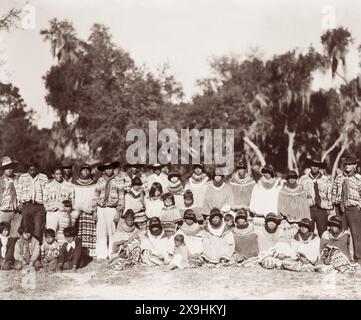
{"x":98,"y":281}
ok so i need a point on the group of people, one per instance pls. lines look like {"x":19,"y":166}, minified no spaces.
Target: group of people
{"x":131,"y":215}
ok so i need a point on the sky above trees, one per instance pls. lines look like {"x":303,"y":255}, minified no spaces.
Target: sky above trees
{"x":183,"y":33}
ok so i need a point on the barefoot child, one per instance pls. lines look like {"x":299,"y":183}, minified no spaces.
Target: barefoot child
{"x":180,"y":254}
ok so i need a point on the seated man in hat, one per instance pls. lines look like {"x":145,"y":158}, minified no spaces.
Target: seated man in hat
{"x":217,"y":194}
{"x":245,"y":238}
{"x":218,"y":240}
{"x":346,"y":196}
{"x":9,"y":209}
{"x":264,"y":198}
{"x":242,"y":185}
{"x":335,"y":247}
{"x":158,"y":176}
{"x":293,"y":203}
{"x":108,"y":201}
{"x":306,"y":246}
{"x":318,"y":188}
{"x":197,"y":183}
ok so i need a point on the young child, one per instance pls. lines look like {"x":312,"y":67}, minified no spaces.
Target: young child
{"x":180,"y":253}
{"x":189,"y":204}
{"x":68,"y":218}
{"x":229,"y":220}
{"x":49,"y":251}
{"x":176,"y":188}
{"x":27,"y":250}
{"x":70,"y":252}
{"x":153,"y":203}
{"x":7,"y":246}
{"x":170,"y":215}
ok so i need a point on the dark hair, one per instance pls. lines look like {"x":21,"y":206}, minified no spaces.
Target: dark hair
{"x":168,"y":195}
{"x":67,"y":203}
{"x":179,"y":237}
{"x":129,"y":212}
{"x":155,"y":186}
{"x":56,"y":168}
{"x":31,"y":164}
{"x":22,"y":230}
{"x":188,"y":195}
{"x":49,"y":233}
{"x":228,"y":217}
{"x":4,"y":225}
{"x":69,"y":232}
{"x":136,"y":181}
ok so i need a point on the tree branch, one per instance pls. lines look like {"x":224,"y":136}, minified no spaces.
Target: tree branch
{"x":255,"y":149}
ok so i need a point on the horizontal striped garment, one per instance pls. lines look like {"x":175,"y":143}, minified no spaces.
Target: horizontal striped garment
{"x":354,"y":194}
{"x":324,"y":186}
{"x":31,"y":189}
{"x":114,"y":198}
{"x":56,"y":192}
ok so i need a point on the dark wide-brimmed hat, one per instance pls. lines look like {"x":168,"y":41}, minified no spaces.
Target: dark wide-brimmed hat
{"x":272,"y":217}
{"x":268,"y":168}
{"x":67,"y":164}
{"x":215,"y":212}
{"x":315,"y":163}
{"x":335,"y":221}
{"x":108,"y":165}
{"x":307,"y":223}
{"x":241,"y":164}
{"x":291,"y":174}
{"x":190,"y":215}
{"x":351,"y":159}
{"x":7,"y":163}
{"x":174,"y":174}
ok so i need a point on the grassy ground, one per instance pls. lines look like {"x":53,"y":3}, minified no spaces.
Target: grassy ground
{"x":98,"y":281}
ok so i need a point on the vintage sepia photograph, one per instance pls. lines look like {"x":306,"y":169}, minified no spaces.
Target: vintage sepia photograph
{"x":191,"y":150}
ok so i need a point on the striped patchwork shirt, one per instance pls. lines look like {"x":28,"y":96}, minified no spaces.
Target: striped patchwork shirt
{"x":56,"y":192}
{"x":324,"y":186}
{"x":115,"y":198}
{"x":31,"y":189}
{"x":354,"y":194}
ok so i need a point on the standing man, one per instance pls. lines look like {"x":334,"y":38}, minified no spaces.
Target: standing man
{"x":242,"y":185}
{"x":56,"y":191}
{"x":108,"y":201}
{"x":8,"y":198}
{"x":31,"y":187}
{"x":346,"y":196}
{"x":67,"y":167}
{"x":318,"y":189}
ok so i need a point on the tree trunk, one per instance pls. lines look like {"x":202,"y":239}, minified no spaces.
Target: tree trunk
{"x":329,"y":150}
{"x":337,"y":160}
{"x":255,"y":149}
{"x":290,"y":153}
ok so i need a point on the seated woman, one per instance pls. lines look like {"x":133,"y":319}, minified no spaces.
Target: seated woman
{"x":245,"y":238}
{"x":126,"y":243}
{"x":154,"y":244}
{"x":218,"y":240}
{"x":335,"y":248}
{"x":154,"y":203}
{"x":192,"y":233}
{"x":306,"y":246}
{"x":273,"y":243}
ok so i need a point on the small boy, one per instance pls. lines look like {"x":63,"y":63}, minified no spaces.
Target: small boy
{"x":7,"y":246}
{"x":49,"y":251}
{"x":180,"y":255}
{"x":229,"y":220}
{"x":68,"y":218}
{"x":27,"y":250}
{"x":70,"y":252}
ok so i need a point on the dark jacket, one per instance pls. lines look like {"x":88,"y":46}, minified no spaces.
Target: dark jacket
{"x":10,"y":248}
{"x":73,"y":255}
